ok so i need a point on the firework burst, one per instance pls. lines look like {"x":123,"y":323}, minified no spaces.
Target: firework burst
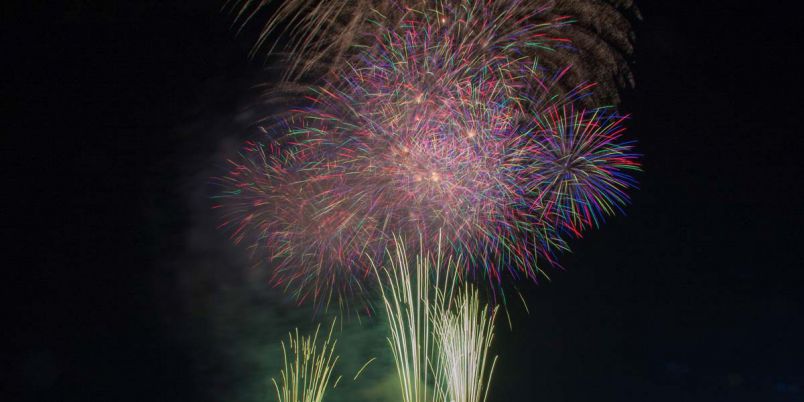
{"x":448,"y":124}
{"x":464,"y":333}
{"x":326,"y":34}
{"x":413,"y":298}
{"x":585,"y":168}
{"x":307,"y":367}
{"x":522,"y":43}
{"x":440,"y":333}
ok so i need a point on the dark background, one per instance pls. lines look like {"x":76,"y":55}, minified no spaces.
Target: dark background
{"x":696,"y":295}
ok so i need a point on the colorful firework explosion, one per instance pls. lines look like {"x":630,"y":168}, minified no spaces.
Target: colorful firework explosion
{"x":324,"y":35}
{"x":585,"y":169}
{"x":449,"y":125}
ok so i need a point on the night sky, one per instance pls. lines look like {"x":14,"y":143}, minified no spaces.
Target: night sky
{"x":119,"y":288}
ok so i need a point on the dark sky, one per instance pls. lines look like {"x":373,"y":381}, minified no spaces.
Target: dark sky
{"x":117,"y":110}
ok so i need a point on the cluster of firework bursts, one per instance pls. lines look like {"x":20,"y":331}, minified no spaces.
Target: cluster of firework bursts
{"x":462,"y":129}
{"x":450,"y":120}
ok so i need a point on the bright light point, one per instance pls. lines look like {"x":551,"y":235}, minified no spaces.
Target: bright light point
{"x":434,"y":176}
{"x":470,"y":133}
{"x":418,"y":99}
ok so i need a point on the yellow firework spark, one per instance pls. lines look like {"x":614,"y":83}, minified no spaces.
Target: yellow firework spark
{"x":307,"y":367}
{"x":464,"y":334}
{"x":440,"y":342}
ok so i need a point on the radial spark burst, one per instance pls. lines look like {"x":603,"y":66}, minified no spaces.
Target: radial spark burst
{"x":450,"y":125}
{"x":584,"y":166}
